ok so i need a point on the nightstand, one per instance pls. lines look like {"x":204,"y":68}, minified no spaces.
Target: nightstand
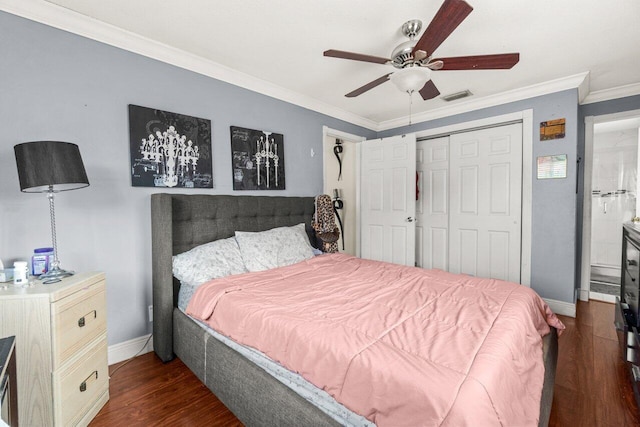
{"x":61,"y":349}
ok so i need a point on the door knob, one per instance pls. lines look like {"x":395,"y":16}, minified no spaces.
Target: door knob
{"x":409,"y":219}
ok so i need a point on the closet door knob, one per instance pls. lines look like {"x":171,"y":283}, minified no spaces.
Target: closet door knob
{"x":409,"y":219}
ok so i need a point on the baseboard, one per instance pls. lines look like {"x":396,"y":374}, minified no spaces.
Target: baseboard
{"x":584,"y":294}
{"x":128,"y":349}
{"x":561,"y":307}
{"x":596,"y":296}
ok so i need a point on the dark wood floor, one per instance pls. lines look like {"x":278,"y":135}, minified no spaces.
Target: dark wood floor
{"x":592,"y":387}
{"x":592,"y":384}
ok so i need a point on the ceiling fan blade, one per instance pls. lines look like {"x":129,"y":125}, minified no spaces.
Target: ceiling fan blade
{"x":429,"y":90}
{"x":355,"y":56}
{"x":447,"y":19}
{"x":368,"y":86}
{"x":502,"y":61}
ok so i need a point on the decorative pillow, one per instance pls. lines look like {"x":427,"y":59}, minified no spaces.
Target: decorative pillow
{"x":209,"y":261}
{"x":273,"y":248}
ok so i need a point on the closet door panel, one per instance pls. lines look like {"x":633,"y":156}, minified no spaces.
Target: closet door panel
{"x":432,"y":207}
{"x":486,"y":196}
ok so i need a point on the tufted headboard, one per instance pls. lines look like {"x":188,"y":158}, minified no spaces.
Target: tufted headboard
{"x":181,"y":222}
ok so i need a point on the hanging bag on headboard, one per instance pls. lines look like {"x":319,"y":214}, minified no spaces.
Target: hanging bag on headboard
{"x":324,"y":223}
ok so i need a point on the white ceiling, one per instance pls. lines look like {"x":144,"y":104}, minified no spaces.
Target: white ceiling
{"x":279,"y":43}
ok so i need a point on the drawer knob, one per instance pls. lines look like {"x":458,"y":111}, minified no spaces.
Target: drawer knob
{"x":83,"y":384}
{"x":82,"y":321}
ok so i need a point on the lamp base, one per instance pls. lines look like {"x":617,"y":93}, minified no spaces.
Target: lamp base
{"x":55,"y":275}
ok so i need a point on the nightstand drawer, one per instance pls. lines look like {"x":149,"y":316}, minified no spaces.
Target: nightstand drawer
{"x":633,"y":346}
{"x":620,"y":322}
{"x":77,"y":320}
{"x":79,"y":385}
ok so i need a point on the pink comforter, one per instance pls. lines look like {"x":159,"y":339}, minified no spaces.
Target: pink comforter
{"x":399,"y":345}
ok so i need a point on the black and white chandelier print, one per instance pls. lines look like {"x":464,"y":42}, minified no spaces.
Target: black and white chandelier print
{"x":257,"y":159}
{"x":169,"y":149}
{"x":267,"y":153}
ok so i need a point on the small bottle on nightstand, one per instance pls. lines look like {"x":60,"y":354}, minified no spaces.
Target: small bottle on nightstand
{"x":20,"y":273}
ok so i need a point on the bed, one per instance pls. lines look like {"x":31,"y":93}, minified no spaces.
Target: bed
{"x":182,"y":222}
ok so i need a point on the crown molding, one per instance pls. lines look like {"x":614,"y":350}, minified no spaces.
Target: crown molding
{"x":65,"y":19}
{"x":614,"y":93}
{"x":579,"y":81}
{"x":76,"y":23}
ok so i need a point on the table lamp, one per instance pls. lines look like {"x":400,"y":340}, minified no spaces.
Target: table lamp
{"x":50,"y":167}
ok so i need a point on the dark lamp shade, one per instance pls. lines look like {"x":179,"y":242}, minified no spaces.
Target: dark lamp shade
{"x":50,"y":166}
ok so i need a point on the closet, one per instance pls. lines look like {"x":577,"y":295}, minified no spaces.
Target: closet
{"x":469,"y":205}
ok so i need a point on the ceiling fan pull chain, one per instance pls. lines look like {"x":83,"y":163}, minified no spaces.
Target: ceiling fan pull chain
{"x":410,"y":105}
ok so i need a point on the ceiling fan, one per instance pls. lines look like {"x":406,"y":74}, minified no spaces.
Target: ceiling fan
{"x":414,"y":60}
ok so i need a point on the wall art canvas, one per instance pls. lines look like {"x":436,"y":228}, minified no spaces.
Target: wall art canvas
{"x":169,"y":149}
{"x":257,"y":159}
{"x":552,"y":129}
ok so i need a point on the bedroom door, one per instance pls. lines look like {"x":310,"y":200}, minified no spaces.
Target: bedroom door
{"x":486,"y":202}
{"x":388,"y":208}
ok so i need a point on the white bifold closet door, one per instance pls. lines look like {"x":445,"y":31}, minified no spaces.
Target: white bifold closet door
{"x":470,"y":206}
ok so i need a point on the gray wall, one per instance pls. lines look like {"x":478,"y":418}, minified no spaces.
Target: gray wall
{"x":58,"y":86}
{"x":553,"y":252}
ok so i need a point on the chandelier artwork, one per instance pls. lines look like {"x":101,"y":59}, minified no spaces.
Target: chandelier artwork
{"x":173,"y":155}
{"x":267,"y":153}
{"x":169,"y":150}
{"x":258,"y":159}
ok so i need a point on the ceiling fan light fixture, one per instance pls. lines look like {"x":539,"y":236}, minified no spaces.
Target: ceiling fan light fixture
{"x":411,"y":79}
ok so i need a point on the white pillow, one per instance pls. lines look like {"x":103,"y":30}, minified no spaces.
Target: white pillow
{"x":209,"y":261}
{"x":273,"y":248}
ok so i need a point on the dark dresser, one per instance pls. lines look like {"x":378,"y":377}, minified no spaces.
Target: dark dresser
{"x":8,"y":386}
{"x":627,"y":314}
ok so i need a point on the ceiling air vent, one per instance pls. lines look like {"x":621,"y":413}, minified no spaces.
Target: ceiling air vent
{"x":457,"y":95}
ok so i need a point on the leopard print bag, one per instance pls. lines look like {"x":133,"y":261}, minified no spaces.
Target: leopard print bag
{"x":324,"y":224}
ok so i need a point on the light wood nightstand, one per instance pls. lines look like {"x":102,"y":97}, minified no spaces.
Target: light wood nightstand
{"x":61,"y":349}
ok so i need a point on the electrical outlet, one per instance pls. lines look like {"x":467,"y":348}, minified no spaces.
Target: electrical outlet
{"x":150,"y":313}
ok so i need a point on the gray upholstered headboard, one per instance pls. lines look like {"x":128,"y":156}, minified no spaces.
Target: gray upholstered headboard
{"x":181,"y":222}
